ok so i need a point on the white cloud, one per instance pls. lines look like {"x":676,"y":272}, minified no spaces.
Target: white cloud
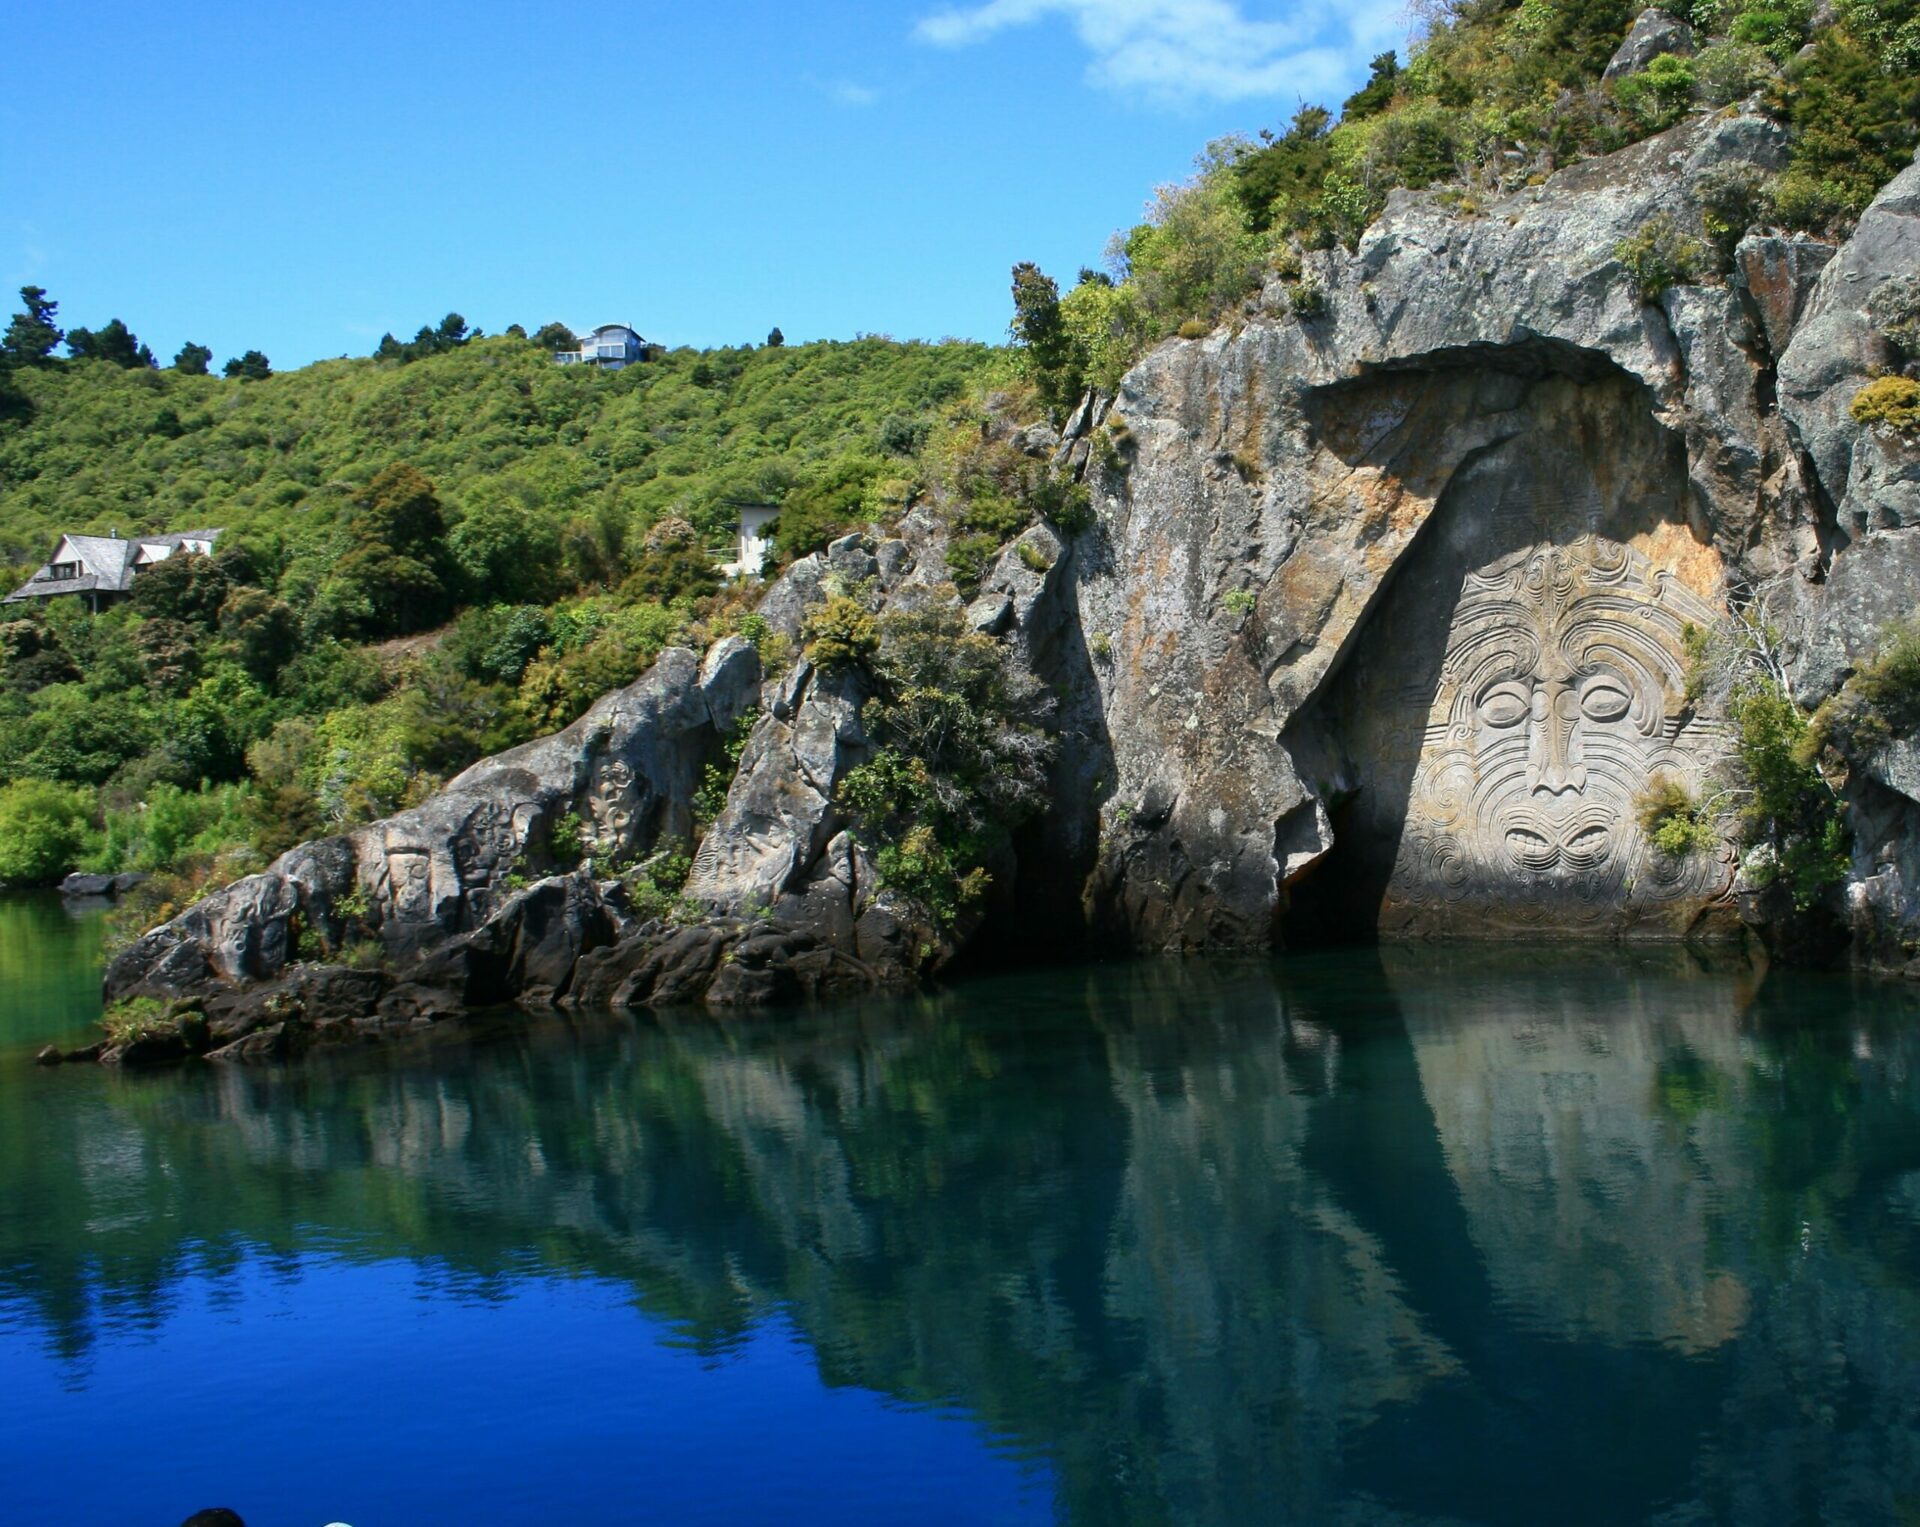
{"x":1182,"y":50}
{"x":845,"y":92}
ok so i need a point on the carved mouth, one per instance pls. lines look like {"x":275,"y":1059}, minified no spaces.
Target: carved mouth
{"x":1582,"y":848}
{"x":1530,"y":850}
{"x":1587,"y":849}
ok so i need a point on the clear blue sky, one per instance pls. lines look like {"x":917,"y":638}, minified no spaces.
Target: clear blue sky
{"x":300,"y":177}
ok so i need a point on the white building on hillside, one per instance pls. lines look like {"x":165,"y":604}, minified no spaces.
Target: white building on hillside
{"x":611,"y":346}
{"x":751,"y":545}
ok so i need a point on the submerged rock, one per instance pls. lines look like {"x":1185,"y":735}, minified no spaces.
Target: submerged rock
{"x":79,"y":886}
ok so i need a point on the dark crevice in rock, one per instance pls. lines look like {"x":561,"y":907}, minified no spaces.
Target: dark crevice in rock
{"x":1532,"y":357}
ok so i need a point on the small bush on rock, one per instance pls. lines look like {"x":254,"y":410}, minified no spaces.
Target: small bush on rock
{"x":1880,"y":702}
{"x":1661,"y":255}
{"x":134,"y":1018}
{"x":1308,"y":299}
{"x":1733,"y":198}
{"x":1790,"y":809}
{"x":654,"y":888}
{"x":839,"y":633}
{"x":1892,"y":404}
{"x":1727,"y":71}
{"x":1673,"y":820}
{"x":958,"y":760}
{"x":1659,"y":95}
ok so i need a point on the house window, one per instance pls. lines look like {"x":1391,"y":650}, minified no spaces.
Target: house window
{"x":60,"y":570}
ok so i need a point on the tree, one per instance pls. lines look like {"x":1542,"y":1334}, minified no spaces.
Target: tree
{"x":263,"y":630}
{"x":251,"y":367}
{"x":193,"y":359}
{"x":1376,"y":95}
{"x":555,"y":336}
{"x":184,"y":587}
{"x":775,"y":339}
{"x":400,"y":511}
{"x":115,"y":342}
{"x":390,"y":581}
{"x":451,"y":333}
{"x":1037,"y":329}
{"x":31,"y":336}
{"x":1280,"y":185}
{"x":505,"y":551}
{"x":43,"y":830}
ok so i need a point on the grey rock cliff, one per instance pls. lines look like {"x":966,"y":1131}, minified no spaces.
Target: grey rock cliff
{"x":1381,"y":621}
{"x":627,"y":768}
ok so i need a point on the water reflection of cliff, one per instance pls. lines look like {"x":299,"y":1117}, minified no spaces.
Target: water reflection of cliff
{"x":1427,"y":1238}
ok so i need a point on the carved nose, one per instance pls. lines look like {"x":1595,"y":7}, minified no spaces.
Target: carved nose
{"x":1556,"y":762}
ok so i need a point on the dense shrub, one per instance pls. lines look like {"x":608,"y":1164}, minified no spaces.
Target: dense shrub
{"x":1853,"y":124}
{"x":957,"y":763}
{"x":1194,"y":256}
{"x":44,"y":830}
{"x":1658,"y":95}
{"x":1659,"y":255}
{"x":1888,"y":29}
{"x":827,"y":506}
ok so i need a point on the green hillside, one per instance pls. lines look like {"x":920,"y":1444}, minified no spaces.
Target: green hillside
{"x":493,"y":422}
{"x":423,"y":561}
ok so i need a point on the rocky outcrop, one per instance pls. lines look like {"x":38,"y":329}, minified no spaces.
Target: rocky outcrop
{"x":1455,"y":392}
{"x":1653,"y":33}
{"x":1382,"y":621}
{"x":399,"y":923}
{"x":621,"y":779}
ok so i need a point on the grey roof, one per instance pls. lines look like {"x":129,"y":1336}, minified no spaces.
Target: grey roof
{"x":45,"y":588}
{"x":110,"y":558}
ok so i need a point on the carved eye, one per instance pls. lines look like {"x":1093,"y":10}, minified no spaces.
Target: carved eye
{"x":1604,"y":700}
{"x":1505,"y":705}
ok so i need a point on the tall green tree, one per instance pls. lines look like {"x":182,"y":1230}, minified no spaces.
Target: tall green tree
{"x":193,"y":359}
{"x":114,"y":342}
{"x":251,"y":367}
{"x":393,"y":576}
{"x":32,"y":334}
{"x":1038,"y":330}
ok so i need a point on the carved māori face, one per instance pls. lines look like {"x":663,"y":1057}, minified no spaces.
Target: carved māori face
{"x":1561,"y":697}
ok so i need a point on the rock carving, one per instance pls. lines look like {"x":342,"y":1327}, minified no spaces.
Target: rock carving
{"x":1561,"y":696}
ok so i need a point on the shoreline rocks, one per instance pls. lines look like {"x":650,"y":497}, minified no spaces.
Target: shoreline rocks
{"x":1349,"y":578}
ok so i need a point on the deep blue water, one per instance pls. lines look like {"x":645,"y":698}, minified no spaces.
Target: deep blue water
{"x":1415,"y":1235}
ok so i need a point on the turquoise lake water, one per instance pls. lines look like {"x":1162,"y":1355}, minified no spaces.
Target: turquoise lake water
{"x":1408,"y":1235}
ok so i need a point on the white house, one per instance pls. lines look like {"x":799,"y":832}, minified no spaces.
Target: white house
{"x":751,"y":544}
{"x":612,"y":346}
{"x":103,"y":567}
